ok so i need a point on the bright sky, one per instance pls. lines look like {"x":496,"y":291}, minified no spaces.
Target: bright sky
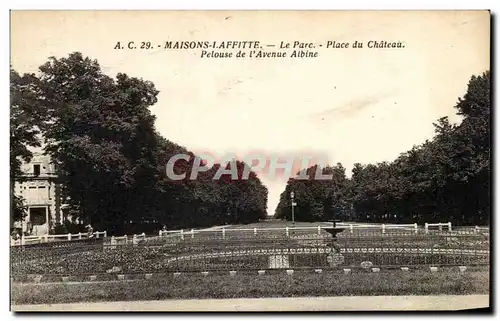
{"x":353,"y":105}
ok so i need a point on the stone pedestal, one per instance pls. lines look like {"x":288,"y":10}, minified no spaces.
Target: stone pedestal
{"x":335,"y":258}
{"x":279,"y":262}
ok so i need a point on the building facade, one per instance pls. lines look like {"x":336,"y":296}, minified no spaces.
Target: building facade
{"x":41,"y":194}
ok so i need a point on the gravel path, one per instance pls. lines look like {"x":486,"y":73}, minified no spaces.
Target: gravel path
{"x":352,"y":303}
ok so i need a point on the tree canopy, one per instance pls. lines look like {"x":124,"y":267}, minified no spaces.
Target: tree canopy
{"x":26,"y":119}
{"x":446,"y":179}
{"x":110,"y":159}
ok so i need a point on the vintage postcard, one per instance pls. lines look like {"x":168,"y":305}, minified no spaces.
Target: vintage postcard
{"x":250,"y":160}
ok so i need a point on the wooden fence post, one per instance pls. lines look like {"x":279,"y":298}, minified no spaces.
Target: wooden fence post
{"x":426,"y":228}
{"x":319,"y":229}
{"x":286,"y":231}
{"x":69,"y":236}
{"x":192,"y":233}
{"x":449,"y":226}
{"x":182,"y":234}
{"x":79,"y":235}
{"x":254,"y":231}
{"x":416,"y":228}
{"x":223,"y":233}
{"x":383,"y":228}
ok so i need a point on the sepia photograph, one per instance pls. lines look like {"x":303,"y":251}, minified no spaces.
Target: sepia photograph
{"x":250,"y":161}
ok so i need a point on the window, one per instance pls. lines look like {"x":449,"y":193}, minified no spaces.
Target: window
{"x":36,"y":170}
{"x":38,"y":215}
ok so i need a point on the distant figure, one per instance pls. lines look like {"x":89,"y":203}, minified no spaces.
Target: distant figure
{"x":29,"y":228}
{"x":15,"y":237}
{"x":15,"y":234}
{"x":90,"y":231}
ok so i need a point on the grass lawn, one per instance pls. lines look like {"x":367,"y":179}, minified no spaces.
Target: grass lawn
{"x":251,"y":285}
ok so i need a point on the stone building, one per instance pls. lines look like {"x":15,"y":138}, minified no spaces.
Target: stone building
{"x":41,"y":195}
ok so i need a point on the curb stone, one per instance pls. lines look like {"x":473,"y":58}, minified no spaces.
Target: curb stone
{"x":36,"y":278}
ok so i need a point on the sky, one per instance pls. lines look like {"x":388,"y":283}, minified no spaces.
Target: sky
{"x":350,"y":105}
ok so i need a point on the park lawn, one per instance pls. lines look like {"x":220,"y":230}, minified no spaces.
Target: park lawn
{"x":447,"y":281}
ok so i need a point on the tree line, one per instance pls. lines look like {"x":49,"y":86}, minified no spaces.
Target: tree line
{"x":445,"y":179}
{"x":100,"y":134}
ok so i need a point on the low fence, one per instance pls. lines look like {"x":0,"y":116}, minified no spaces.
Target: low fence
{"x":352,"y":228}
{"x":126,"y":239}
{"x":478,"y":229}
{"x":438,"y":225}
{"x":177,"y":252}
{"x":37,"y":239}
{"x":233,"y":233}
{"x":223,"y":232}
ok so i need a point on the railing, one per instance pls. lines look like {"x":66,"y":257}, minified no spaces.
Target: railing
{"x":37,"y":239}
{"x":438,"y":225}
{"x":188,"y":251}
{"x":134,"y":239}
{"x":401,"y":229}
{"x":287,"y":231}
{"x":479,"y":229}
{"x":382,"y":227}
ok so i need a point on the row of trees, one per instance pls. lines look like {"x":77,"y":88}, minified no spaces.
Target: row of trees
{"x":100,"y":134}
{"x":443,"y":179}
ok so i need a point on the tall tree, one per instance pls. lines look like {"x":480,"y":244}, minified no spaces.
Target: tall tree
{"x":443,"y":179}
{"x":317,"y":199}
{"x":25,"y":122}
{"x":102,"y":140}
{"x":100,"y":135}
